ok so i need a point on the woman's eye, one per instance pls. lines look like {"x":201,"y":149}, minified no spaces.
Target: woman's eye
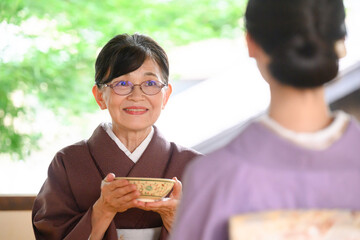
{"x":121,"y":84}
{"x":151,"y":83}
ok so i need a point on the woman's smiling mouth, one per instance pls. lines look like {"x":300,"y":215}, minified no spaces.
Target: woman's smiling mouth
{"x":135,"y":110}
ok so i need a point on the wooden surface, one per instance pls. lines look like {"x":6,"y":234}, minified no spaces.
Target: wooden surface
{"x":16,"y":202}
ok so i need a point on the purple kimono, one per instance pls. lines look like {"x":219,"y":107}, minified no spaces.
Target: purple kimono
{"x":62,"y":209}
{"x":261,"y":171}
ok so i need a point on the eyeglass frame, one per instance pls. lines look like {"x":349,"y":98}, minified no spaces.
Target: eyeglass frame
{"x":133,"y":86}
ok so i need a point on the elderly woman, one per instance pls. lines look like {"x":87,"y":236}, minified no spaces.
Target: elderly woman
{"x":132,"y":84}
{"x":299,"y":154}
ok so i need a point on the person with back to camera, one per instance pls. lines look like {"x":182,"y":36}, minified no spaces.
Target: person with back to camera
{"x":298,"y":155}
{"x":131,"y":81}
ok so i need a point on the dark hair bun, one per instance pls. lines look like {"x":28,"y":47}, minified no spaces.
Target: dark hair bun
{"x":304,"y":63}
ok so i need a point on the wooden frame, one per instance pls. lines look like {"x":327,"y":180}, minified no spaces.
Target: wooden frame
{"x":8,"y":202}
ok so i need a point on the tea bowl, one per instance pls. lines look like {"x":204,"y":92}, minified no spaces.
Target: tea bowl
{"x":151,"y":189}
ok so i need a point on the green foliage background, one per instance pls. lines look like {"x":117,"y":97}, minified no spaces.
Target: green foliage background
{"x":60,"y":78}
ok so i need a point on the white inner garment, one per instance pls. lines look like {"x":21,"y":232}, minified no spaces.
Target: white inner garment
{"x":135,"y":155}
{"x":136,"y":234}
{"x":315,"y":140}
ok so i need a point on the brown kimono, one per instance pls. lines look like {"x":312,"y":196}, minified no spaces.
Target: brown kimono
{"x":62,"y":209}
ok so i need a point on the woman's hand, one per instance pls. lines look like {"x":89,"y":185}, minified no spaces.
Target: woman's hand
{"x":116,"y":196}
{"x":167,"y":207}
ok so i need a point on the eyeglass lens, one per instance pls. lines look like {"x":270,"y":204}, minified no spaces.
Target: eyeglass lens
{"x":150,"y":87}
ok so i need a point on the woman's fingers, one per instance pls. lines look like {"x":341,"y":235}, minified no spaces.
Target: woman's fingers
{"x":166,"y":209}
{"x":110,"y":177}
{"x":117,"y":184}
{"x":121,"y":189}
{"x":177,"y":190}
{"x":168,"y":205}
{"x":118,"y":195}
{"x":128,"y":196}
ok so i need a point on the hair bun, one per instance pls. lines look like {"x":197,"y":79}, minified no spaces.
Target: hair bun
{"x":303,"y":47}
{"x":304,"y":62}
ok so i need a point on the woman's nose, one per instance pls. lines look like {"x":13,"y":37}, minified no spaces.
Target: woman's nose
{"x":136,"y":93}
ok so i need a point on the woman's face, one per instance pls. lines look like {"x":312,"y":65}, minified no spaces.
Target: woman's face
{"x":136,"y":111}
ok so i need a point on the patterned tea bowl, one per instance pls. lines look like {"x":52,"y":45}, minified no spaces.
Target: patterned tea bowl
{"x":151,"y":189}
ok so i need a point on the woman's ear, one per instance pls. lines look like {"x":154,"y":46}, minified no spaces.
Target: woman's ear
{"x":252,"y":46}
{"x":168,"y":92}
{"x":98,"y":94}
{"x":340,"y":48}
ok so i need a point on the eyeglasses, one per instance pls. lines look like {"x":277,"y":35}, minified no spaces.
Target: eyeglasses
{"x":123,"y":88}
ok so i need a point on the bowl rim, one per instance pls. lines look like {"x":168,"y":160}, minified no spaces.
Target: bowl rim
{"x":147,"y":179}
